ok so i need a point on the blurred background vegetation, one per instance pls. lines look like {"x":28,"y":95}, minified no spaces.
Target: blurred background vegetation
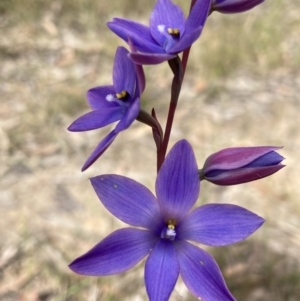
{"x":242,"y":87}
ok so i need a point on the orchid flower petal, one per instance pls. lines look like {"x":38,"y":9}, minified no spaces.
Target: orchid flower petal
{"x":141,"y":79}
{"x":116,"y":253}
{"x":124,"y":76}
{"x":142,"y":58}
{"x":96,"y":119}
{"x":129,"y":201}
{"x":186,"y":41}
{"x":201,"y":274}
{"x":193,"y":26}
{"x":138,"y":33}
{"x":161,"y":271}
{"x":100,"y":97}
{"x":198,"y":15}
{"x":177,"y":183}
{"x":129,"y":116}
{"x":218,"y":224}
{"x":100,"y":149}
{"x":166,"y":15}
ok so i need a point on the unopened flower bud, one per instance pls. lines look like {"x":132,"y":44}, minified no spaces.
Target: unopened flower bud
{"x":238,"y":165}
{"x":234,"y":6}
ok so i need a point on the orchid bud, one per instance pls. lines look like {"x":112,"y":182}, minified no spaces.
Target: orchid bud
{"x":233,"y":6}
{"x":238,"y":165}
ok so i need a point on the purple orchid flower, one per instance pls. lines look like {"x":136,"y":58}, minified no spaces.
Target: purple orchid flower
{"x":169,"y":225}
{"x":238,"y":165}
{"x":234,"y":6}
{"x":168,"y":34}
{"x":120,"y":101}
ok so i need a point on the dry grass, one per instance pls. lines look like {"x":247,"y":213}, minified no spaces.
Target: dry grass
{"x":242,"y":88}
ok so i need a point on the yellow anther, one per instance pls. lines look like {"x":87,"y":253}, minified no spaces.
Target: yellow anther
{"x":171,"y":223}
{"x":174,"y":31}
{"x":122,"y":94}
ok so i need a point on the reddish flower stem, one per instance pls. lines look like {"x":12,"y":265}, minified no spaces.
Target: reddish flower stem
{"x":179,"y":71}
{"x":161,"y":153}
{"x":176,"y":66}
